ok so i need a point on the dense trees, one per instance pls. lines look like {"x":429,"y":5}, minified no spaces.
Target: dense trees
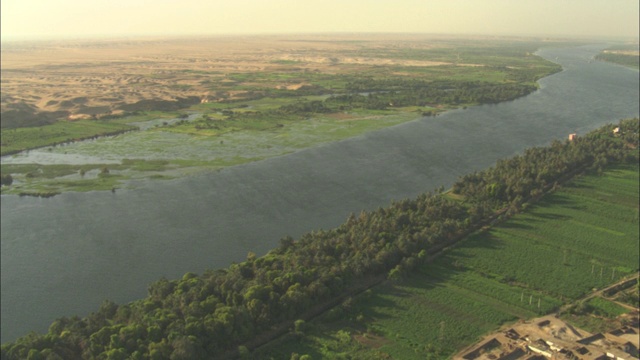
{"x":397,"y":92}
{"x":374,"y":94}
{"x":514,"y":180}
{"x":208,"y":315}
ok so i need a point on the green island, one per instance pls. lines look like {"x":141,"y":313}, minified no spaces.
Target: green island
{"x":624,"y":54}
{"x":421,"y":278}
{"x":253,"y":115}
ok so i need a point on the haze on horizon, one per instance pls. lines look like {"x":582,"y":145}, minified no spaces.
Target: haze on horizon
{"x":44,"y":19}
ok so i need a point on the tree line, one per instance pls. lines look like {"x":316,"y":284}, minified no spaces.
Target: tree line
{"x":423,"y":93}
{"x":205,"y":316}
{"x":373,"y":94}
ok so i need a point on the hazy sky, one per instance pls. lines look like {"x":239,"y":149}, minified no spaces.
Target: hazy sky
{"x":86,"y":18}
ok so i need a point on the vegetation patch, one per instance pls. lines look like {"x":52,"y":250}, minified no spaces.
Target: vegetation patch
{"x":595,"y":315}
{"x":19,"y":139}
{"x":626,"y":55}
{"x":606,"y":308}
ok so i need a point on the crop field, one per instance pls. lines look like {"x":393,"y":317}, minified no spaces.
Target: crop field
{"x":581,"y":237}
{"x":423,"y":317}
{"x":520,"y":301}
{"x":444,"y":315}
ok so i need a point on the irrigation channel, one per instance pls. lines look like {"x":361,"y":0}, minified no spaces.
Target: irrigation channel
{"x":64,"y":255}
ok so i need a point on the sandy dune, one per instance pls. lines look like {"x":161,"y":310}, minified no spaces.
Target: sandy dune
{"x":85,"y":78}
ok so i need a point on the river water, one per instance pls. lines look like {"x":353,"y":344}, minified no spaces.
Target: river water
{"x":64,"y":255}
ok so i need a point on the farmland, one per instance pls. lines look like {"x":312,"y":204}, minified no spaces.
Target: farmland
{"x":581,"y":237}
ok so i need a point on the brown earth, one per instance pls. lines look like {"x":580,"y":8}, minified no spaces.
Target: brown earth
{"x":48,"y":80}
{"x":80,"y":79}
{"x":552,"y":335}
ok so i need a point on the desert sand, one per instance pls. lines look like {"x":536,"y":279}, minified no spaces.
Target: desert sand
{"x":84,"y":78}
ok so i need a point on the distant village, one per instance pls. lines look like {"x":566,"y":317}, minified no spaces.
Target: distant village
{"x":551,"y":338}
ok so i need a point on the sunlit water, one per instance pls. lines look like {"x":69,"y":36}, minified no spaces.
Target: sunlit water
{"x":65,"y":255}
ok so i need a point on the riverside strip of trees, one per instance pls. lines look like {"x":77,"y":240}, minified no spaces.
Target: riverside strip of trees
{"x":213,"y":314}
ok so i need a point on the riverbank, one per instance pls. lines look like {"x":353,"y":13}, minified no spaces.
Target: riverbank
{"x":483,"y":282}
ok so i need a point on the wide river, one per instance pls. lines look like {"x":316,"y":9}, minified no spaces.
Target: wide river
{"x":64,"y":255}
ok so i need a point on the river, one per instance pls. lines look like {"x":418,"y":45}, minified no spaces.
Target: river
{"x":64,"y":255}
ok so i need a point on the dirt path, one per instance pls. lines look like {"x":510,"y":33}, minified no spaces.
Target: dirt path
{"x":601,"y":293}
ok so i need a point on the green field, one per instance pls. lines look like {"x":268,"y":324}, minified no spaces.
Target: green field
{"x":583,"y":236}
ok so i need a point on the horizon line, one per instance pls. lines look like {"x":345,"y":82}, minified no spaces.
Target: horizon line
{"x":142,"y":36}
